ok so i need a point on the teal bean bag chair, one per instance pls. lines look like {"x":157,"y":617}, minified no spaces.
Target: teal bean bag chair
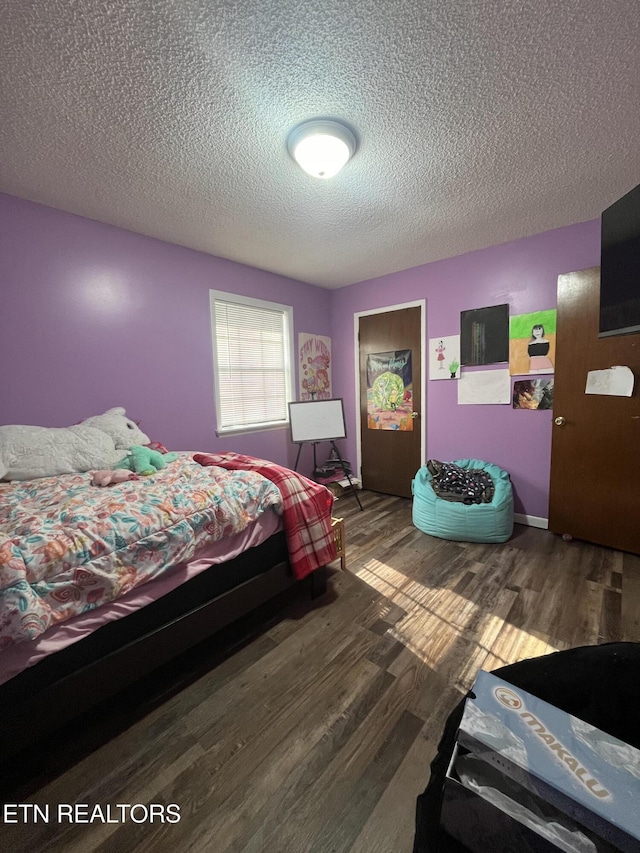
{"x":483,"y":522}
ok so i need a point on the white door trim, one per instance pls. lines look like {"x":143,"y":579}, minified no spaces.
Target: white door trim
{"x":418,"y":303}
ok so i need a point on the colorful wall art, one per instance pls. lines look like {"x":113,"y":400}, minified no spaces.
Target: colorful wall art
{"x":484,"y":335}
{"x":532,"y":343}
{"x":533,"y":394}
{"x":444,"y":357}
{"x":390,"y":390}
{"x":314,"y":374}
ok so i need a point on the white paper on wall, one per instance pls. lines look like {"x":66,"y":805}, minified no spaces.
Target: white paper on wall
{"x":484,"y":387}
{"x":615,"y":382}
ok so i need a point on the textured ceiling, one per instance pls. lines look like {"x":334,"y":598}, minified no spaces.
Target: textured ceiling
{"x":479,"y":121}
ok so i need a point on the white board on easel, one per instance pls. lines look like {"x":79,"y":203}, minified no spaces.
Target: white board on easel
{"x":317,"y":420}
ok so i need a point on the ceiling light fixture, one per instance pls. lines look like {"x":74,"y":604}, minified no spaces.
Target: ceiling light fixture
{"x":322,"y":146}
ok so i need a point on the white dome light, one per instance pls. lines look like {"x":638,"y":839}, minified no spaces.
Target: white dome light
{"x":322,"y":147}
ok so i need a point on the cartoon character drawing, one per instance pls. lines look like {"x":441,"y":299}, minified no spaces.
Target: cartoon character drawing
{"x":316,"y":376}
{"x":322,"y":379}
{"x":538,"y":350}
{"x":387,"y":391}
{"x":440,"y":350}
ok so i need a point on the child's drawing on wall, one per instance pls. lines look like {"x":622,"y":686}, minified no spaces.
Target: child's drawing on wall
{"x":444,"y":357}
{"x":532,"y":343}
{"x":538,"y":351}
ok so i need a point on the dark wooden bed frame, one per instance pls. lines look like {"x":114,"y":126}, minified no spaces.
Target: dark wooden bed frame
{"x":65,"y":684}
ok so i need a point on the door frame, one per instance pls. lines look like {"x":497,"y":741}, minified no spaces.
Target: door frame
{"x":416,"y":303}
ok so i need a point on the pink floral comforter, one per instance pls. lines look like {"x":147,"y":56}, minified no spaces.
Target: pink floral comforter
{"x":67,"y":546}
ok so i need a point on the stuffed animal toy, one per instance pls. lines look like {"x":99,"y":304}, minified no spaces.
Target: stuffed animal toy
{"x":110,"y":477}
{"x":145,"y":461}
{"x":28,"y":452}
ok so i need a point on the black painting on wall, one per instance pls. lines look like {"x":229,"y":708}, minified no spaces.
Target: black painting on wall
{"x":484,"y":335}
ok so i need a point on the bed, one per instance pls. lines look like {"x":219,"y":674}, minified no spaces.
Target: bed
{"x":99,"y":586}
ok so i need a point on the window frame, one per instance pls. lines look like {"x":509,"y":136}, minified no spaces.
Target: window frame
{"x":289,"y":363}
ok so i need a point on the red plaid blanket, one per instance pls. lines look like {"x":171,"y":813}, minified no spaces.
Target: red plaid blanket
{"x":306,"y":509}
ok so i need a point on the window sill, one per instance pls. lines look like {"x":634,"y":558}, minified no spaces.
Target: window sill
{"x":221,"y":433}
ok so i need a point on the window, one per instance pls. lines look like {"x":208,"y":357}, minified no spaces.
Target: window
{"x":252,"y":362}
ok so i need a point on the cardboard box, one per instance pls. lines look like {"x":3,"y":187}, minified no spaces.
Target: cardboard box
{"x":527,"y":776}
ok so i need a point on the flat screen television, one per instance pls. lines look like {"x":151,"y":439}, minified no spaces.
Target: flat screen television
{"x":620,"y":267}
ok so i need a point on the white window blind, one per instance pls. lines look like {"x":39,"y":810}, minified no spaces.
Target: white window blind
{"x":252,"y":362}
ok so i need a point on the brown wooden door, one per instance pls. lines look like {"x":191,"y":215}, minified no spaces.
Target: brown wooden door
{"x":390,"y":457}
{"x":595,"y":456}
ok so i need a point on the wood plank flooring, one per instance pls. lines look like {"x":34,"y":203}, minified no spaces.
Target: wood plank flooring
{"x":312,"y":727}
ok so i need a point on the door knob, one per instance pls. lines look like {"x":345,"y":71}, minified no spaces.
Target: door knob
{"x":414,"y":415}
{"x":559,"y":421}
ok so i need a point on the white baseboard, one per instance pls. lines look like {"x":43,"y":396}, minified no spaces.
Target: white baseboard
{"x":531,"y":520}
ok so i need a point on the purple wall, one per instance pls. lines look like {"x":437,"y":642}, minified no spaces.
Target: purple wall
{"x":522,"y":273}
{"x":95,"y":316}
